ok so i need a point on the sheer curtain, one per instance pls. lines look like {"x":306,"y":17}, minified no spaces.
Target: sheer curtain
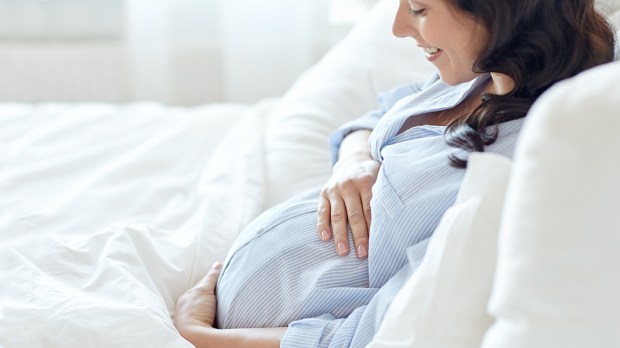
{"x":221,"y":50}
{"x":183,"y":52}
{"x":266,"y":44}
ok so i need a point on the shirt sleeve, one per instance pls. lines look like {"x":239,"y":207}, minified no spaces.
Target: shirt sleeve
{"x":358,"y":329}
{"x":386,"y":101}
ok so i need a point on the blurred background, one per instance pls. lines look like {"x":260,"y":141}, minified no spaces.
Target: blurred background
{"x":178,"y":52}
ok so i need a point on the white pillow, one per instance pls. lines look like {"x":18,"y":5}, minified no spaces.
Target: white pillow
{"x":615,"y":21}
{"x":342,"y":86}
{"x":443,"y":304}
{"x":232,"y":186}
{"x":608,"y":6}
{"x":557,"y":282}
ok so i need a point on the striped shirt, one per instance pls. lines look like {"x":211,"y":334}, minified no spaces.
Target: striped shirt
{"x":280,"y":274}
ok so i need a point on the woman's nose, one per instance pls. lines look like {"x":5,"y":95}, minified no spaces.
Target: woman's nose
{"x":402,"y":26}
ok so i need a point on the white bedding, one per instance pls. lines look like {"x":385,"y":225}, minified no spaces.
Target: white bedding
{"x":102,"y":219}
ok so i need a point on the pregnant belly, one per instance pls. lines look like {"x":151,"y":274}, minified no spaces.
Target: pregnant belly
{"x":285,"y":273}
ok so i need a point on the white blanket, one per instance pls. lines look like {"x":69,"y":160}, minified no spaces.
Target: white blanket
{"x":106,"y":216}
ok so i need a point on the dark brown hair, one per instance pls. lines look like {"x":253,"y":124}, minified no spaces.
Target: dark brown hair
{"x":536,"y":43}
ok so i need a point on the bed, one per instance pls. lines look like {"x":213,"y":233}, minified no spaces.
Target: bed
{"x":108,"y":212}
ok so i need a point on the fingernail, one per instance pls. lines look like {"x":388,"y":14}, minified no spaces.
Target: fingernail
{"x":361,"y":251}
{"x":342,"y":249}
{"x":324,"y":235}
{"x":216,"y":266}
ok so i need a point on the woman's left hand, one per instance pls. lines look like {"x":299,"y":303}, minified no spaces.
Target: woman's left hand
{"x":197,"y":307}
{"x":194,"y":317}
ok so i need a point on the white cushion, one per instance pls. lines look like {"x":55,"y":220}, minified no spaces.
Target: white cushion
{"x":608,"y":6}
{"x":443,"y":304}
{"x":557,"y":282}
{"x":615,"y":21}
{"x":232,"y":185}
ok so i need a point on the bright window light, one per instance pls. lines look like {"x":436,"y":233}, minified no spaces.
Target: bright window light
{"x":61,"y":19}
{"x":347,"y":11}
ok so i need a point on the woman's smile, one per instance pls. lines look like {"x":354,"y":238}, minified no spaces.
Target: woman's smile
{"x":432,"y":53}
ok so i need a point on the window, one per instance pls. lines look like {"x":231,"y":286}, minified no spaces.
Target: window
{"x":347,"y":11}
{"x":61,"y":19}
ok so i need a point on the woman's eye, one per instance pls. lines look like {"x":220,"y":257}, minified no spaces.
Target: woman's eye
{"x":416,"y":12}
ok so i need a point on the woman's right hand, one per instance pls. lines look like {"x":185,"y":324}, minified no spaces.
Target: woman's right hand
{"x":345,"y":198}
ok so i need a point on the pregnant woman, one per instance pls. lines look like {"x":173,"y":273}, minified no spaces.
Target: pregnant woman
{"x":283,"y":286}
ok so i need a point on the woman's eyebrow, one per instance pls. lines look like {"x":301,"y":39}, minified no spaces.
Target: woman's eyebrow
{"x":422,"y":3}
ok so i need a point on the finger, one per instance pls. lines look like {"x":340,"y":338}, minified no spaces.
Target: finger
{"x":357,"y":222}
{"x":208,"y":282}
{"x":365,"y":197}
{"x":339,"y":226}
{"x":323,"y":219}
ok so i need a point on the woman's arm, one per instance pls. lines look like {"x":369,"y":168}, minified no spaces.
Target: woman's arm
{"x":203,"y":336}
{"x":194,"y":317}
{"x":345,"y":198}
{"x":355,"y":143}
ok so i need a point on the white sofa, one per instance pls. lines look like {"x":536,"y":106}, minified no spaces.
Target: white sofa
{"x":109,"y":212}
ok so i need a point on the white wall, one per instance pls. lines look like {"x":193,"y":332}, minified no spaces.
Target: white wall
{"x":183,"y":52}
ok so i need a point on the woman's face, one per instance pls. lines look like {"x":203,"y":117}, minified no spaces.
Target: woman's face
{"x":451,"y":39}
